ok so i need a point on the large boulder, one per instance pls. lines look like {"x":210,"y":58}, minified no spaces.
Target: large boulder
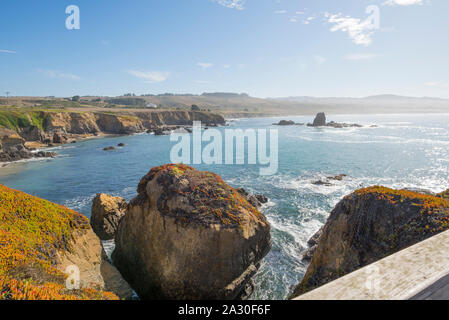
{"x":189,"y":235}
{"x":369,"y":225}
{"x":107,"y":211}
{"x":320,"y":120}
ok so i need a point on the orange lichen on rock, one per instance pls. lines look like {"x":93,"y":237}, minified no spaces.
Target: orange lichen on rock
{"x":32,"y":231}
{"x":212,"y":198}
{"x":436,"y":206}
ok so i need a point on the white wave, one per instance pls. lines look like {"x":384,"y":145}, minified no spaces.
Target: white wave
{"x":109,"y":247}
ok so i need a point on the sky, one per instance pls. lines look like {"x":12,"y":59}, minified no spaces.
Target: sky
{"x":266,"y":48}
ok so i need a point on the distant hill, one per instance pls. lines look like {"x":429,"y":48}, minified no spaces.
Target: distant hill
{"x":243,"y":105}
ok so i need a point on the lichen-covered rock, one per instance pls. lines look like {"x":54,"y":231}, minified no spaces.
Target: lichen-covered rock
{"x":38,"y":241}
{"x":107,"y":211}
{"x":369,"y":225}
{"x":189,"y":235}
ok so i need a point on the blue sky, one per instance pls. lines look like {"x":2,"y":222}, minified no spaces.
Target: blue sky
{"x":267,"y":48}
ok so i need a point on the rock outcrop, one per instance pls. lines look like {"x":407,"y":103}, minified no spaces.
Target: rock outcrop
{"x":257,"y":200}
{"x":40,"y":241}
{"x":12,"y":148}
{"x":313,"y":244}
{"x":51,"y":128}
{"x":285,"y":123}
{"x":107,"y":211}
{"x":188,"y":235}
{"x":320,"y":120}
{"x":369,"y":225}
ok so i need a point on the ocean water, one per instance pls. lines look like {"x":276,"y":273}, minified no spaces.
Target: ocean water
{"x":402,"y":151}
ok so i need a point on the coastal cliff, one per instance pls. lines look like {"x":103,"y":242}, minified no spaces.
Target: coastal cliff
{"x":91,"y":123}
{"x":39,"y":240}
{"x":20,"y":133}
{"x":370,"y":224}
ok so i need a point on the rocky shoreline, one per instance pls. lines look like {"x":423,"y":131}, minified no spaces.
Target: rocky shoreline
{"x":58,"y":128}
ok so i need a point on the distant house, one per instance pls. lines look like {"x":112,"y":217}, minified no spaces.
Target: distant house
{"x":151,"y":105}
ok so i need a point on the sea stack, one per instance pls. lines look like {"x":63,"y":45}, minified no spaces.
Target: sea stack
{"x":320,"y":120}
{"x":189,"y":235}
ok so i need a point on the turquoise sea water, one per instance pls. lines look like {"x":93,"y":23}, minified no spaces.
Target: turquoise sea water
{"x":403,"y":151}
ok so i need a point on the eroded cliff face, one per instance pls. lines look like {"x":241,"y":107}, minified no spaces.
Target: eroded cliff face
{"x":90,"y":123}
{"x":369,"y":225}
{"x":188,"y":235}
{"x":151,"y":119}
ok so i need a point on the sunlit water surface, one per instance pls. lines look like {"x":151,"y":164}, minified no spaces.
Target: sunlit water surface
{"x":402,"y":151}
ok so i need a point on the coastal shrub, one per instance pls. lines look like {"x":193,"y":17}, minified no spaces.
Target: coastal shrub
{"x":15,"y":120}
{"x":32,"y":231}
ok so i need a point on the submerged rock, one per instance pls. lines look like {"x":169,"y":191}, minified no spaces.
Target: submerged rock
{"x":107,"y":211}
{"x":337,"y":178}
{"x":369,"y":225}
{"x":255,"y":199}
{"x":322,"y":183}
{"x":285,"y":123}
{"x":189,"y":235}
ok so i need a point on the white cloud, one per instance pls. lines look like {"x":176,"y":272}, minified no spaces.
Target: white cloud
{"x":205,"y":65}
{"x":308,"y":20}
{"x":361,"y":56}
{"x":293,"y":19}
{"x":203,"y":82}
{"x":360,"y":32}
{"x":227,"y":66}
{"x":7,"y":51}
{"x":439,"y":84}
{"x":280,"y":11}
{"x":319,"y":59}
{"x":232,"y":4}
{"x":402,"y":2}
{"x":59,"y":75}
{"x":150,"y":76}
